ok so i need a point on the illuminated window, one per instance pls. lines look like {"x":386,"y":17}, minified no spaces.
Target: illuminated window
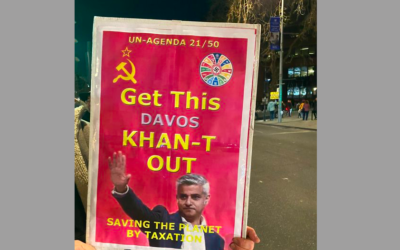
{"x":309,"y":92}
{"x":303,"y":91}
{"x":303,"y":71}
{"x":290,"y":73}
{"x":296,"y":91}
{"x":311,"y":70}
{"x":290,"y":91}
{"x":297,"y":72}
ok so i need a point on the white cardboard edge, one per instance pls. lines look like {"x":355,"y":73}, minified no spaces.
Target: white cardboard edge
{"x":251,"y":131}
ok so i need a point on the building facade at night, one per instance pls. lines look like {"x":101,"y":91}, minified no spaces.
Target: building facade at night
{"x":299,"y":72}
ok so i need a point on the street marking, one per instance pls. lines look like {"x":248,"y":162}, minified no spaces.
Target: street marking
{"x":296,"y":132}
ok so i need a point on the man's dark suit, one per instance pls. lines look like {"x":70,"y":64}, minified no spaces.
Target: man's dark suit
{"x":135,"y":209}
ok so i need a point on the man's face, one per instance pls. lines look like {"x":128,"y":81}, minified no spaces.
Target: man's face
{"x":191,"y":201}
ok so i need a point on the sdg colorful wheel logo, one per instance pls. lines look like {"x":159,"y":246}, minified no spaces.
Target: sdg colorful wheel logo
{"x":216,"y":69}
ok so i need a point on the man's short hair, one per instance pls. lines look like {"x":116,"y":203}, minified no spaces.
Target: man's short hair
{"x":194,"y":179}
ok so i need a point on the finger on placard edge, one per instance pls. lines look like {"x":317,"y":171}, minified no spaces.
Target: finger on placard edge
{"x":233,"y":246}
{"x":245,"y":243}
{"x":252,"y":235}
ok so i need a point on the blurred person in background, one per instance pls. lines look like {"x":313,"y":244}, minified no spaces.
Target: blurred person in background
{"x":289,"y":107}
{"x":271,"y":109}
{"x":301,"y":113}
{"x":306,"y":109}
{"x":314,"y":111}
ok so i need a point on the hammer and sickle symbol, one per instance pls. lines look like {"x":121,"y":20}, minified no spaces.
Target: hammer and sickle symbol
{"x":128,"y":76}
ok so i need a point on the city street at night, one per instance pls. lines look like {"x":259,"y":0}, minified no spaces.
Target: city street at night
{"x":283,"y":188}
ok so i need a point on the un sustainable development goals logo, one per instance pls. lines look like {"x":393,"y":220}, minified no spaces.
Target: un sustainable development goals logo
{"x":216,"y":69}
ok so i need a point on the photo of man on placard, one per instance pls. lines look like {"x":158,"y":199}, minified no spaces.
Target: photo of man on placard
{"x":193,"y":195}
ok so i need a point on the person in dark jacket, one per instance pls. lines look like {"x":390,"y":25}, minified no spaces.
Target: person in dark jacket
{"x":314,"y":112}
{"x":306,"y":110}
{"x":289,"y":107}
{"x":283,"y":108}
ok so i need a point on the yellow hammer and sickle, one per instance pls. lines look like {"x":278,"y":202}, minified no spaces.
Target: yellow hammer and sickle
{"x":129,"y":76}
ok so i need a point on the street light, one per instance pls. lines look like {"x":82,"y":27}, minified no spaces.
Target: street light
{"x":280,"y":70}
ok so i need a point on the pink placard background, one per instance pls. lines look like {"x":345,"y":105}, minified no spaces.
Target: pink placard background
{"x":169,"y":68}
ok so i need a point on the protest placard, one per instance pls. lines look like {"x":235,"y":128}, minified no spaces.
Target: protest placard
{"x":177,"y":99}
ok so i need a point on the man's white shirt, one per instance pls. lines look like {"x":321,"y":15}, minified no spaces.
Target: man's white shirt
{"x":194,"y":245}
